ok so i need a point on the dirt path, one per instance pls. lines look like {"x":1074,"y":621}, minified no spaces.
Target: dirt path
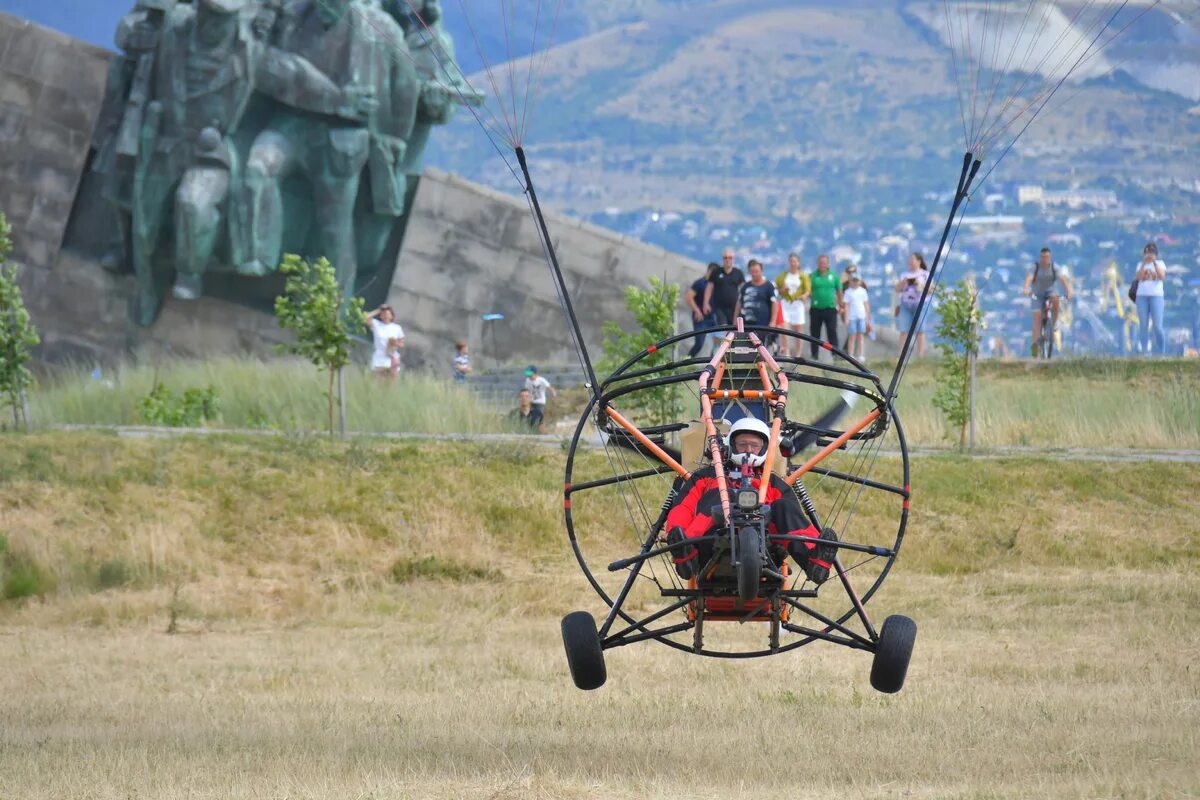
{"x":1051,"y":453}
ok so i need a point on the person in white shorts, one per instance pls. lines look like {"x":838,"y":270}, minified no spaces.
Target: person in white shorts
{"x":794,"y":288}
{"x":389,"y":338}
{"x":858,"y":318}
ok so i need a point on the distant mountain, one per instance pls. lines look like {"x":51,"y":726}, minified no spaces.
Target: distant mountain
{"x":783,"y":109}
{"x":816,"y":109}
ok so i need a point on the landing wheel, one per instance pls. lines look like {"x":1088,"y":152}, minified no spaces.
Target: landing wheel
{"x":750,"y":566}
{"x":892,"y":654}
{"x":584,"y":654}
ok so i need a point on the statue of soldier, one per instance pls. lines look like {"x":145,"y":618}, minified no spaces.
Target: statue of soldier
{"x":355,"y":43}
{"x":208,"y":65}
{"x":444,"y":87}
{"x":441,"y":89}
{"x":119,"y":122}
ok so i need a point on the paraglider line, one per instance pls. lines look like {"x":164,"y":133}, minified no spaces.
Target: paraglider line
{"x":557,"y":274}
{"x":1062,"y":80}
{"x":541,"y":71}
{"x":488,"y":69}
{"x":969,"y":169}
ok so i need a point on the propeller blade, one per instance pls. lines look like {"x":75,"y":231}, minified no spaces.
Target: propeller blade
{"x":620,"y":439}
{"x":827,"y":420}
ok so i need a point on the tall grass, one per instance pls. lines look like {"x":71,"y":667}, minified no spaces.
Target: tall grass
{"x":286,"y":395}
{"x":1091,"y":404}
{"x":1101,"y":404}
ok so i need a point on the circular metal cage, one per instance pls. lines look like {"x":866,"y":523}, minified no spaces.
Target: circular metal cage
{"x":656,"y":419}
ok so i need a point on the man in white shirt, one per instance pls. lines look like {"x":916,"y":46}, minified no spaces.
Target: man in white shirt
{"x":537,"y":386}
{"x":388,"y":339}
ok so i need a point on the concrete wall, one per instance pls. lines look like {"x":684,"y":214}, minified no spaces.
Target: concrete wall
{"x":469,"y":250}
{"x":51,"y":88}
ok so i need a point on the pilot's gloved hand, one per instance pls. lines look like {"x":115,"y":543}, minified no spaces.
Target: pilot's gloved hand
{"x":685,"y":557}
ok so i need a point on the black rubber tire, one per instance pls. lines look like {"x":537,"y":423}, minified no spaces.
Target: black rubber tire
{"x":892,"y":654}
{"x":585,"y":657}
{"x":749,"y":569}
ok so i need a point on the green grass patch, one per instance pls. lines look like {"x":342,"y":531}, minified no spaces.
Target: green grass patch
{"x":113,"y":573}
{"x":438,"y":568}
{"x":20,"y":578}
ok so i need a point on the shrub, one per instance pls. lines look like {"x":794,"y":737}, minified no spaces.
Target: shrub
{"x":189,"y":410}
{"x":23,"y":579}
{"x":315,"y":309}
{"x":17,"y":336}
{"x":653,"y":310}
{"x":959,"y":331}
{"x":113,"y":573}
{"x":436,"y":567}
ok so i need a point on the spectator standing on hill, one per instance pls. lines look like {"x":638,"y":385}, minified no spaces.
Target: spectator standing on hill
{"x":1150,"y":299}
{"x":721,"y":296}
{"x":694,"y":296}
{"x":523,"y":415}
{"x":756,"y":299}
{"x":462,"y":362}
{"x":537,"y":386}
{"x":388,"y":339}
{"x":858,"y":318}
{"x":826,"y":300}
{"x":910,"y":287}
{"x":852,"y":272}
{"x":794,"y":288}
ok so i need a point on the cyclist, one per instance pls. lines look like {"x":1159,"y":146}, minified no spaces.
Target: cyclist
{"x":1040,"y":284}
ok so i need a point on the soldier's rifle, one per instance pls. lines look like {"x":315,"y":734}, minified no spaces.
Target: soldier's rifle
{"x":130,"y":132}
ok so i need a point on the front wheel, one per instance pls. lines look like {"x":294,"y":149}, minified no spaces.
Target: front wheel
{"x":585,"y":656}
{"x":750,"y":566}
{"x":892,"y":654}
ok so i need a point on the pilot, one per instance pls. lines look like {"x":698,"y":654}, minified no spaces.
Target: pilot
{"x":691,"y":517}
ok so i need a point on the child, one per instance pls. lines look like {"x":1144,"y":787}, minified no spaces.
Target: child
{"x":538,"y":386}
{"x":858,"y":318}
{"x":462,"y":362}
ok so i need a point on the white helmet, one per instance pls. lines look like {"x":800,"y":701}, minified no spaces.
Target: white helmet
{"x":749,"y":425}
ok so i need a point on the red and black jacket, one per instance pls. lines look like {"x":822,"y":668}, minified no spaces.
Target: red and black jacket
{"x":696,"y":498}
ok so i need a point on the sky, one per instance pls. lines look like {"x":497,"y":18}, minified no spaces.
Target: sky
{"x":95,"y":21}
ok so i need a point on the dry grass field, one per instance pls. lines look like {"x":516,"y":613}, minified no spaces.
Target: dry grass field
{"x":380,"y":620}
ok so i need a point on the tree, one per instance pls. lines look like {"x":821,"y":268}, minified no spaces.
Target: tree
{"x":17,"y":335}
{"x":959,"y":332}
{"x":314,"y":308}
{"x":653,"y":310}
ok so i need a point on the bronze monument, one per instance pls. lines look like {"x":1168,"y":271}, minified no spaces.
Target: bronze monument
{"x":236,"y":130}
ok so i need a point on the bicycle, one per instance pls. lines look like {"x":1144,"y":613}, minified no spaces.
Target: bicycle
{"x":1044,"y":346}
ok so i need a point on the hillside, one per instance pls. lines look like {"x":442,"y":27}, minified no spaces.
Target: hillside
{"x":767,"y":111}
{"x":821,"y":110}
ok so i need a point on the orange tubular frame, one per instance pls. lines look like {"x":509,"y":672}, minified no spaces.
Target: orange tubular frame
{"x":644,"y":441}
{"x":710,"y":381}
{"x":745,"y":394}
{"x":717,"y":364}
{"x":834,"y":445}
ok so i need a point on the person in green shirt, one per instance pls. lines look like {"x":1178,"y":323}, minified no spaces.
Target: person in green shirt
{"x":826,"y":302}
